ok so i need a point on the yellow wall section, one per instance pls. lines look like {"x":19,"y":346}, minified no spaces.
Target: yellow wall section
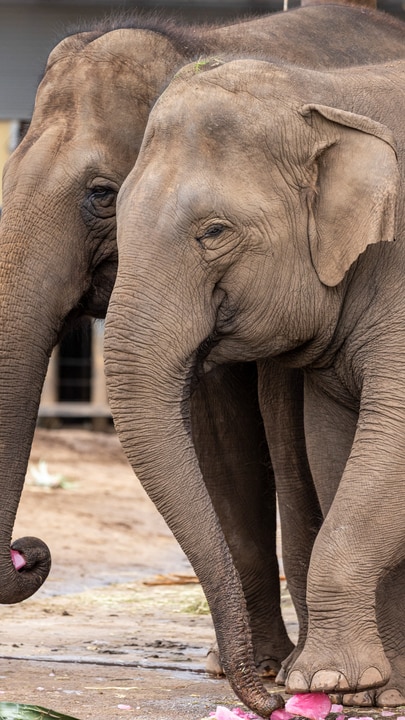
{"x":5,"y":128}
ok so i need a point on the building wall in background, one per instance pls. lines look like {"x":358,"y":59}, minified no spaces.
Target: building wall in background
{"x":4,"y":146}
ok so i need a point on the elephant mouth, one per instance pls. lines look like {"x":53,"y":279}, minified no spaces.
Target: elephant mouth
{"x":202,"y":364}
{"x":223,"y":327}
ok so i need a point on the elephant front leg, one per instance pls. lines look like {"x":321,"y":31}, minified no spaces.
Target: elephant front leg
{"x":391,"y":625}
{"x":390,"y":621}
{"x":282,"y":407}
{"x":360,"y":540}
{"x":330,"y":430}
{"x":232,"y":450}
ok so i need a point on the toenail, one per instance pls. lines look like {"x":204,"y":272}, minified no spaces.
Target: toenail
{"x":327,"y":680}
{"x":296,"y":682}
{"x":371,"y":678}
{"x":281,"y":677}
{"x":390,"y":698}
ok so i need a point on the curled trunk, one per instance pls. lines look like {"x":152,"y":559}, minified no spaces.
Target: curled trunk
{"x":22,"y":379}
{"x":33,"y":296}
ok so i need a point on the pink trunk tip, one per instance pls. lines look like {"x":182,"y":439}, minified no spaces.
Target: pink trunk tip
{"x":17,"y":559}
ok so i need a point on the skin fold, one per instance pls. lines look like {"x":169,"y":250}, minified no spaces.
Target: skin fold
{"x":59,"y":259}
{"x":279,"y":191}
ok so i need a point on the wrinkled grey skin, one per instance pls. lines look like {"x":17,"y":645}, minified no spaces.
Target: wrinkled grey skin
{"x":58,"y":262}
{"x":277,"y":191}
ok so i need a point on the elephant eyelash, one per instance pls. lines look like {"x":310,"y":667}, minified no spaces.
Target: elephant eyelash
{"x":211,"y":232}
{"x":101,"y":191}
{"x":102,"y":197}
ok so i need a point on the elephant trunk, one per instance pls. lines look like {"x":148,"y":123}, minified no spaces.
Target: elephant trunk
{"x":30,"y":320}
{"x":26,"y":567}
{"x":149,"y":387}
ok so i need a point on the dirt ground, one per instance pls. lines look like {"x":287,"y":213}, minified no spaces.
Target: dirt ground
{"x":117,"y":631}
{"x":120,"y":629}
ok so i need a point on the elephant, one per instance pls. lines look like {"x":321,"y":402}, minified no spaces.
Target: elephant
{"x":59,"y":258}
{"x":279,"y":191}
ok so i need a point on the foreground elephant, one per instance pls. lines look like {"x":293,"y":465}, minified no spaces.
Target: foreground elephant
{"x":272,"y":188}
{"x":58,"y":257}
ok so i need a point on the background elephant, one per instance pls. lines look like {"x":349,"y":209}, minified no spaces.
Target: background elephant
{"x":273,"y":189}
{"x":58,"y":251}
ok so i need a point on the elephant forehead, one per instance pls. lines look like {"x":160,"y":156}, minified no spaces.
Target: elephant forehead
{"x":193,"y":187}
{"x":74,"y":84}
{"x":204,"y":120}
{"x":120,"y":73}
{"x":133,"y":48}
{"x":225,"y":114}
{"x":64,"y":151}
{"x":83,"y":85}
{"x":90,"y":102}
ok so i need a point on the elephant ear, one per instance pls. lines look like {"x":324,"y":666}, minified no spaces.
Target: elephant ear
{"x":352,"y":203}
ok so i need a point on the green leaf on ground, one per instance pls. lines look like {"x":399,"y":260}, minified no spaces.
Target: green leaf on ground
{"x":19,"y":711}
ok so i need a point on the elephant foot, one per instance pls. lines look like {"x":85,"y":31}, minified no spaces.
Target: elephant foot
{"x":333,"y":669}
{"x":286,"y":665}
{"x":331,"y":680}
{"x":387,"y":697}
{"x":267,"y":667}
{"x":392,"y":694}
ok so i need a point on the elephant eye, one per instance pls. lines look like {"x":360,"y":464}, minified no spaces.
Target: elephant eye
{"x":100,"y":202}
{"x":211,"y":232}
{"x":102,"y":195}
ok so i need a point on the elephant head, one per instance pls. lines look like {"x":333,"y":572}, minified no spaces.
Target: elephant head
{"x":236,"y":230}
{"x":58,"y":237}
{"x":254,"y":215}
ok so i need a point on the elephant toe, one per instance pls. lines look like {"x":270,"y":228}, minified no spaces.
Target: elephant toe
{"x":213,"y":665}
{"x":392,"y":694}
{"x":281,"y":676}
{"x":287,"y":664}
{"x":365,"y":698}
{"x":328,"y":680}
{"x":371,"y":677}
{"x":390,"y":697}
{"x":296,"y":682}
